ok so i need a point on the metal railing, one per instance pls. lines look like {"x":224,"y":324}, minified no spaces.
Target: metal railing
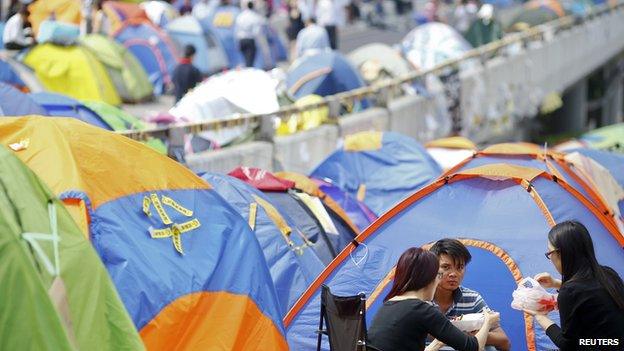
{"x":381,"y":89}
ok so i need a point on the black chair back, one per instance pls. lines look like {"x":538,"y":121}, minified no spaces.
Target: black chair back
{"x":345,"y":319}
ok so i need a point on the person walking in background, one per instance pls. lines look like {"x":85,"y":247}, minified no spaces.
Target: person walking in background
{"x":248,"y":27}
{"x":591,"y":296}
{"x":331,"y":14}
{"x":295,"y":25}
{"x":313,"y":38}
{"x":407,"y":315}
{"x":185,"y":76}
{"x":186,"y":8}
{"x":17,"y":33}
{"x":464,"y":14}
{"x":101,"y":24}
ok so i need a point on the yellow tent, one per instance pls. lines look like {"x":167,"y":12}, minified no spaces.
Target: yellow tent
{"x":73,"y":71}
{"x":67,"y":11}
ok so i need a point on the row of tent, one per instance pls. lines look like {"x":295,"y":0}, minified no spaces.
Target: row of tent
{"x":238,"y":260}
{"x":140,"y":56}
{"x":237,"y":250}
{"x":14,"y":102}
{"x":139,"y":61}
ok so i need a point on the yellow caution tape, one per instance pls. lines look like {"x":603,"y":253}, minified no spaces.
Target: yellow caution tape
{"x":176,"y":206}
{"x":146,"y":206}
{"x":177,"y":243}
{"x":161,"y":211}
{"x":188,"y":226}
{"x":361,"y":192}
{"x":160,"y":233}
{"x":253,"y":210}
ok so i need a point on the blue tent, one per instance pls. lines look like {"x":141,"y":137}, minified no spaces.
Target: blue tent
{"x":293,"y":264}
{"x":283,"y":194}
{"x":325,"y":73}
{"x":9,"y":76}
{"x":64,"y":106}
{"x":530,"y":155}
{"x":15,"y":103}
{"x":154,"y":50}
{"x":379,"y":169}
{"x":210,"y":56}
{"x":357,"y":211}
{"x":501,"y":212}
{"x":612,"y":161}
{"x":222,"y":22}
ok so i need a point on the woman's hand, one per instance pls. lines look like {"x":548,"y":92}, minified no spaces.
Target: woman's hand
{"x":435,"y":345}
{"x":547,"y":281}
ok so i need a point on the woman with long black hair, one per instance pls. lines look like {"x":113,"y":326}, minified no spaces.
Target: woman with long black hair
{"x":408,"y":315}
{"x":591,"y":296}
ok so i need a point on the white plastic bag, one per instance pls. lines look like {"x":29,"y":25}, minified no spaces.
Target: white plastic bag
{"x":530,"y":295}
{"x":469,"y":322}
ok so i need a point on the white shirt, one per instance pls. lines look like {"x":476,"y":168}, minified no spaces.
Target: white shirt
{"x":14,"y":31}
{"x":203,"y":8}
{"x":312,"y":38}
{"x":331,"y":12}
{"x":248,"y":25}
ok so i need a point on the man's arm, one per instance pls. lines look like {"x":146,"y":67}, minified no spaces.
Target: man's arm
{"x":498,"y":338}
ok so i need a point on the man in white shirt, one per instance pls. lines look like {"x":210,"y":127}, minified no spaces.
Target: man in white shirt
{"x":312,"y":38}
{"x":204,"y":7}
{"x":248,"y":27}
{"x":331,"y":15}
{"x":16,"y":36}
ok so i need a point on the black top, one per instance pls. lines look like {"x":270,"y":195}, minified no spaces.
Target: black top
{"x":587,"y":311}
{"x":185,"y":77}
{"x":404,"y":325}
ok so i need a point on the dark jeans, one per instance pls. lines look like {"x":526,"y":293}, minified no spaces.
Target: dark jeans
{"x":332,"y":32}
{"x":248,"y":49}
{"x":14,"y":46}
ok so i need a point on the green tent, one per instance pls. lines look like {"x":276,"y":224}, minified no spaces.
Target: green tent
{"x":609,"y":137}
{"x":127,"y":74}
{"x":56,"y":294}
{"x":119,"y":120}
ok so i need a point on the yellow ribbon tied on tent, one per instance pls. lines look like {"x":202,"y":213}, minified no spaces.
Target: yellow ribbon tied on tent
{"x":171,"y":230}
{"x":363,"y":141}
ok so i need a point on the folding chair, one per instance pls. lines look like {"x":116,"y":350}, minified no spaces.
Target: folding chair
{"x":345,"y":319}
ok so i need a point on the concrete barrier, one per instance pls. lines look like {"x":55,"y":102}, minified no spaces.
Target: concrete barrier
{"x":421,"y":118}
{"x":376,"y":118}
{"x":302,"y":151}
{"x":253,"y":154}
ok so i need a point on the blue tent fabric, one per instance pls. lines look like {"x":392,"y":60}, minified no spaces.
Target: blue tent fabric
{"x":396,"y":170}
{"x":15,"y":103}
{"x":64,"y":106}
{"x":332,"y":74}
{"x":306,"y":222}
{"x":609,"y":160}
{"x":490,"y":214}
{"x":222,"y":23}
{"x":292,"y":269}
{"x":526,"y":161}
{"x":210,"y":56}
{"x":154,"y":51}
{"x":357,"y":212}
{"x":9,"y":76}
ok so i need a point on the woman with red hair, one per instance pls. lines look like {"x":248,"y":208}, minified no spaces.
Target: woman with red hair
{"x":408,"y":315}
